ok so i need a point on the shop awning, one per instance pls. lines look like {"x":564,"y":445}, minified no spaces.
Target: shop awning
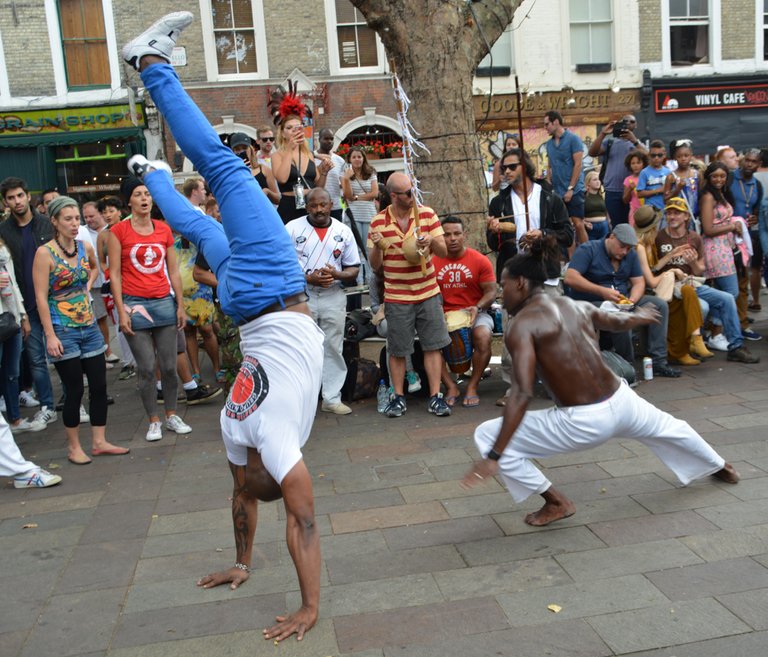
{"x":31,"y":140}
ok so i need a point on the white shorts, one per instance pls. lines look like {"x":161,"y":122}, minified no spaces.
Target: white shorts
{"x":272,"y":403}
{"x":561,"y":430}
{"x":484,"y":320}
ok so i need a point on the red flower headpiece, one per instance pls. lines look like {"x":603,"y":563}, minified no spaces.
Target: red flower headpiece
{"x":282,"y":104}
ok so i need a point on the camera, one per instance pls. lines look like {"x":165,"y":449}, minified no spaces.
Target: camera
{"x":243,"y":155}
{"x":619,"y":128}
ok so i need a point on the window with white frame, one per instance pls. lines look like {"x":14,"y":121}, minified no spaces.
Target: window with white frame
{"x":84,"y":42}
{"x":591,"y":23}
{"x":689,"y":30}
{"x":765,"y":30}
{"x":235,"y":41}
{"x":501,"y":59}
{"x":353,"y":46}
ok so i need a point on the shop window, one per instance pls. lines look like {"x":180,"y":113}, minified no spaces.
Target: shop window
{"x":354,"y":47}
{"x":235,"y":41}
{"x":84,"y":42}
{"x":591,"y":23}
{"x":92,"y":170}
{"x":689,"y":27}
{"x":501,"y":60}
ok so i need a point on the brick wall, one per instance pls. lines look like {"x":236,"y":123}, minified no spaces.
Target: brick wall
{"x":738,"y":29}
{"x":27,"y":50}
{"x":650,"y":30}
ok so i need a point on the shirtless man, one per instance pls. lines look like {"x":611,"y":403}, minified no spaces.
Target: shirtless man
{"x":556,"y":339}
{"x":271,"y":406}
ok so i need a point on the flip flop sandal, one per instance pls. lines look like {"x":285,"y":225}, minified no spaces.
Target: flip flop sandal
{"x":471,"y":401}
{"x":451,"y":401}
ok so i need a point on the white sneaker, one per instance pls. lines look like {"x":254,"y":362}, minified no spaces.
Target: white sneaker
{"x":36,"y":479}
{"x":84,"y":417}
{"x":414,"y":381}
{"x":155,"y":431}
{"x":46,"y":415}
{"x":176,"y":424}
{"x":718,"y":342}
{"x":338,"y":409}
{"x":139,"y":165}
{"x":28,"y":425}
{"x":159,"y":39}
{"x":27,"y":399}
{"x":2,"y":404}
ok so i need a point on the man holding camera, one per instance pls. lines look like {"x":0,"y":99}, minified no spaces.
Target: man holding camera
{"x":613,"y":150}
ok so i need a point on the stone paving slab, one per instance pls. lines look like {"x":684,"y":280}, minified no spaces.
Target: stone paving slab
{"x":651,"y":528}
{"x":392,"y":516}
{"x":624,"y":560}
{"x":739,"y":645}
{"x":749,"y":606}
{"x":710,"y":579}
{"x":580,"y":600}
{"x":729,"y":544}
{"x":417,"y":625}
{"x":666,"y":624}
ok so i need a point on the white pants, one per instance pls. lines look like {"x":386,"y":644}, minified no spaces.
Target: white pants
{"x":11,"y":461}
{"x":329,"y":310}
{"x":570,"y":429}
{"x":271,"y":405}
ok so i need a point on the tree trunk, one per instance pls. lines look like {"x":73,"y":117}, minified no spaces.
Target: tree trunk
{"x":434,"y":46}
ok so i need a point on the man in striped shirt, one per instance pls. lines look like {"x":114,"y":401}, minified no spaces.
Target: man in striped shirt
{"x":401,"y":248}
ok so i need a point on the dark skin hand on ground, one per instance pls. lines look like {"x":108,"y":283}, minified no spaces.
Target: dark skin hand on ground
{"x":556,"y":339}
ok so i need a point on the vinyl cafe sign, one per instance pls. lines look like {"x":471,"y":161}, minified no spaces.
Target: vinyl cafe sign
{"x":699,"y":99}
{"x":71,"y":119}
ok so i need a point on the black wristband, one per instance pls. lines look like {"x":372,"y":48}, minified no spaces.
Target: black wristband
{"x":493,"y":455}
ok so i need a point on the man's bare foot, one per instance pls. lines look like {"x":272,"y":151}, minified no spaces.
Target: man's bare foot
{"x":550,"y":512}
{"x":728,"y":474}
{"x":297,"y":623}
{"x":234,"y":577}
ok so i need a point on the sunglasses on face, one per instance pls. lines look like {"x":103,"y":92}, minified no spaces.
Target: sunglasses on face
{"x":267,"y":138}
{"x":406,"y":193}
{"x":511,"y":167}
{"x":657,"y":154}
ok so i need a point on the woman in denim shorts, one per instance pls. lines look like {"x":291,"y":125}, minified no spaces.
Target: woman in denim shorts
{"x":63,"y":272}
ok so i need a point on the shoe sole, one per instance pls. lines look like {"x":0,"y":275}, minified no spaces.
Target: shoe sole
{"x":175,"y":21}
{"x":153,"y":440}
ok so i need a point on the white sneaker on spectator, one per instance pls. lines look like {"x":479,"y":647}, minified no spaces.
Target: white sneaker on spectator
{"x":46,"y":415}
{"x":25,"y":425}
{"x":176,"y":424}
{"x":414,"y":381}
{"x":38,"y":478}
{"x":84,"y":417}
{"x":27,"y":399}
{"x":338,"y":409}
{"x":718,"y":342}
{"x":155,"y":431}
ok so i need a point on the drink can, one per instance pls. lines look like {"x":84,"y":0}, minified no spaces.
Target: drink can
{"x":647,"y":368}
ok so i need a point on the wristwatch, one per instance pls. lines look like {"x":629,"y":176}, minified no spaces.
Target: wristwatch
{"x":570,"y":188}
{"x":480,"y":309}
{"x":355,"y":197}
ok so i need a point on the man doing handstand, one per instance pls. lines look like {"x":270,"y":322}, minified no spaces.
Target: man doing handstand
{"x":271,"y":406}
{"x":556,"y":339}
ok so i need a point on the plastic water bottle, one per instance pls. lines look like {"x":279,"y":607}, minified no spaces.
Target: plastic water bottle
{"x":382,"y":396}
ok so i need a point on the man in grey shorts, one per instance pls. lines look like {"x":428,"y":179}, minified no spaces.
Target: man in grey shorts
{"x":401,"y":242}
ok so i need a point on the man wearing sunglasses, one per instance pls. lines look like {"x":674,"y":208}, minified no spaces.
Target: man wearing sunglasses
{"x":510,"y":227}
{"x":266,"y":142}
{"x":411,"y":294}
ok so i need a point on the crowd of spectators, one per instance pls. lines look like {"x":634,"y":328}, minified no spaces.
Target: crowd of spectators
{"x":682,"y":234}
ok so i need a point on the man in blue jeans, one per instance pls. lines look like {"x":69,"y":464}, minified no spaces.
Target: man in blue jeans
{"x":722,"y":305}
{"x":271,"y":406}
{"x":606,"y":270}
{"x":24,"y":231}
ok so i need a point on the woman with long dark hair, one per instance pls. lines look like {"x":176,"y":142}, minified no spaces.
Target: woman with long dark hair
{"x":63,"y":272}
{"x":360,"y":187}
{"x":719,"y":228}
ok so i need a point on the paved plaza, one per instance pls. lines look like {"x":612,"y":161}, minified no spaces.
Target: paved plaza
{"x":413,"y":564}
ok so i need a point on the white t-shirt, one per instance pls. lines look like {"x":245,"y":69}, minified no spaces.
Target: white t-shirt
{"x":318,"y":247}
{"x":332,"y":182}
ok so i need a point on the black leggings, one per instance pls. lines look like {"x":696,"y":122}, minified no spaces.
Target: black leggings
{"x":71,"y":372}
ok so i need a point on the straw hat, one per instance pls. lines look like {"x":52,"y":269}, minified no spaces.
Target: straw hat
{"x":647,"y":217}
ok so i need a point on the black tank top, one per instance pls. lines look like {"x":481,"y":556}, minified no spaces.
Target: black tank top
{"x":293,"y":177}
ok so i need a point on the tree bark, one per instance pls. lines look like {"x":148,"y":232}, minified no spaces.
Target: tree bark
{"x":434,"y":46}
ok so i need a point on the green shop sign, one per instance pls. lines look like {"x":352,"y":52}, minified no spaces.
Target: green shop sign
{"x":71,"y":119}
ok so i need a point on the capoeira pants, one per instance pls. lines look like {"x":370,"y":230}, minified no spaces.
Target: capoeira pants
{"x":561,"y":430}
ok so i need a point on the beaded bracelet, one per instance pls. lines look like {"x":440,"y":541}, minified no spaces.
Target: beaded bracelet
{"x":242,"y":566}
